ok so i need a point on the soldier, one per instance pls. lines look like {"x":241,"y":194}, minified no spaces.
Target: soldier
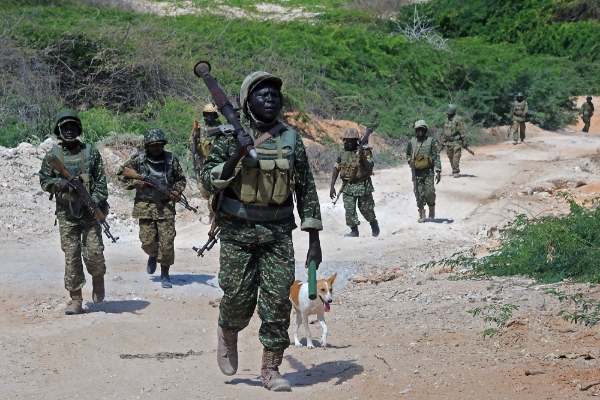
{"x":519,"y":113}
{"x":454,"y":138}
{"x":587,"y":111}
{"x":355,"y":165}
{"x":80,"y":235}
{"x":155,"y":211}
{"x":203,"y":141}
{"x":254,"y":209}
{"x":423,"y":155}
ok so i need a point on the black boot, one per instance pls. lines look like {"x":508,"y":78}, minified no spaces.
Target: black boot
{"x":353,"y":232}
{"x":165,"y":280}
{"x":151,"y":265}
{"x":374,"y":228}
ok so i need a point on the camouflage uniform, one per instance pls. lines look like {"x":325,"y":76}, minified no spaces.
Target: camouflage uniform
{"x":157,"y":222}
{"x":79,"y":237}
{"x":587,"y":111}
{"x":454,"y":138}
{"x":259,"y":254}
{"x":425,"y":188}
{"x":203,"y":146}
{"x":518,"y":112}
{"x":357,"y":191}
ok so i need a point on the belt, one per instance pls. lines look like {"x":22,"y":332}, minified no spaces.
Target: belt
{"x":253,"y":212}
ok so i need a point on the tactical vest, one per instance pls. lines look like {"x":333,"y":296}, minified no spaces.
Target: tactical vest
{"x":519,"y":108}
{"x":161,"y":169}
{"x":587,"y":110}
{"x":79,"y":165}
{"x":422,"y":153}
{"x":351,"y":169}
{"x":450,"y":132}
{"x":270,"y":179}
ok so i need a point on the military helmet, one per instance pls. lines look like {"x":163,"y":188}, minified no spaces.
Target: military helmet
{"x":588,"y":98}
{"x":251,"y":81}
{"x":520,"y":94}
{"x":421,"y":124}
{"x":450,"y":109}
{"x":350,"y":133}
{"x":154,"y":135}
{"x":65,"y":116}
{"x":210,"y":108}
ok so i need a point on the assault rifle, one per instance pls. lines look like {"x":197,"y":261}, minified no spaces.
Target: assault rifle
{"x":194,"y":145}
{"x":159,"y":186}
{"x":509,"y":131}
{"x":413,"y":171}
{"x":83,"y":197}
{"x":363,"y":144}
{"x":213,"y":238}
{"x":464,"y":146}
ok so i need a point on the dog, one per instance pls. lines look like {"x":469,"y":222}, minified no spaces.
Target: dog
{"x":305,"y":307}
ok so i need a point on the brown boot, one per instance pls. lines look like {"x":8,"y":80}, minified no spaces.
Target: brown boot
{"x":271,"y":377}
{"x":227,"y":354}
{"x":98,"y":288}
{"x":421,"y":215}
{"x":76,"y":303}
{"x":431,"y":213}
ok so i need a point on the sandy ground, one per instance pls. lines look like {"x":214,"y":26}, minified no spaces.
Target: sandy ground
{"x":408,"y":337}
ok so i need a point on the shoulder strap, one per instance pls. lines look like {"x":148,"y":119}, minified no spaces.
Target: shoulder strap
{"x":58,"y":153}
{"x":274,"y":130}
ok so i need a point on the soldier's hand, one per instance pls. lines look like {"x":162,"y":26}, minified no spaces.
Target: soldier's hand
{"x":63,"y":184}
{"x":145,"y":185}
{"x":314,"y":248}
{"x":438,"y":177}
{"x":174,"y":196}
{"x":332,"y":193}
{"x":241,"y":144}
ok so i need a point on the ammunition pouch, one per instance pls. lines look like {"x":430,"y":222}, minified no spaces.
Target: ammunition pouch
{"x":519,"y":112}
{"x":423,"y":161}
{"x":351,"y":169}
{"x":255,"y":212}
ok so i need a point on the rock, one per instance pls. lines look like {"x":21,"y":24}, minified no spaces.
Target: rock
{"x":405,"y":391}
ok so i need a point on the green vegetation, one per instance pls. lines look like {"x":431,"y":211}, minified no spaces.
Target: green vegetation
{"x":497,"y":314}
{"x":587,"y":311}
{"x":127,"y":72}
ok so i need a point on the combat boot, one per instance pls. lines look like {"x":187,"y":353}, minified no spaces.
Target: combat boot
{"x":421,"y":215}
{"x":353,"y":232}
{"x":165,"y":279}
{"x":98,"y":288}
{"x":151,"y":265}
{"x":271,"y":378}
{"x":76,"y":303}
{"x":456,"y":175}
{"x":227,"y":354}
{"x":431,"y":213}
{"x":374,"y":228}
{"x":522,"y":140}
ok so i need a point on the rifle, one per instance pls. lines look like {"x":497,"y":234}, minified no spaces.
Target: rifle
{"x":194,"y":145}
{"x":509,"y":131}
{"x":466,"y":147}
{"x":202,"y":70}
{"x":159,"y":186}
{"x":83,"y":197}
{"x":213,"y":238}
{"x":363,"y":143}
{"x":413,"y":171}
{"x":312,"y":280}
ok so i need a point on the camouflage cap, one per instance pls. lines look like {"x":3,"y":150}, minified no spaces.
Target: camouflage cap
{"x":65,"y":116}
{"x":154,"y":135}
{"x":210,"y":108}
{"x":421,"y":124}
{"x":450,"y":109}
{"x":350,"y":133}
{"x":251,"y":81}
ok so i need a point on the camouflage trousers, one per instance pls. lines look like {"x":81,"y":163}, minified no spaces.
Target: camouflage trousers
{"x":81,"y":238}
{"x":246,"y":268}
{"x":425,"y":192}
{"x":366,"y":206}
{"x":518,"y":130}
{"x":158,"y":239}
{"x":453,"y":151}
{"x":586,"y":122}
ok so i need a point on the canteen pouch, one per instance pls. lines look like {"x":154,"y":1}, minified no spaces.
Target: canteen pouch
{"x":266,"y":181}
{"x":284,"y":181}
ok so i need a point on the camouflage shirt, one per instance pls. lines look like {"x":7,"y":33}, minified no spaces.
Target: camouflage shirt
{"x":587,"y":107}
{"x":49,"y":179}
{"x":435,"y":152}
{"x":454,"y":130}
{"x":145,"y":209}
{"x":362,"y":187}
{"x":519,"y":106}
{"x":240,"y":230}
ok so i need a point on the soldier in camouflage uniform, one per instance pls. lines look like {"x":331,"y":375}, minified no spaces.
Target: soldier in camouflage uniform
{"x":155,"y":211}
{"x":80,"y":235}
{"x":254,"y":205}
{"x":587,"y":111}
{"x":423,"y":154}
{"x":454,"y":138}
{"x":518,"y":112}
{"x":355,"y":165}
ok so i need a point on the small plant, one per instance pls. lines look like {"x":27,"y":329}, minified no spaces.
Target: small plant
{"x":587,"y":311}
{"x":497,"y":314}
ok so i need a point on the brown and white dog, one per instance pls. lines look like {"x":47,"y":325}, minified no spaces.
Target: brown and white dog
{"x":305,"y":307}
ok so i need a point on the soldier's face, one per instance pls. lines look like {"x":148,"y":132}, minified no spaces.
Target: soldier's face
{"x":69,"y":131}
{"x":156,"y":149}
{"x":421,"y":133}
{"x":350,"y":144}
{"x":520,"y":98}
{"x":210,"y":117}
{"x":265,"y":102}
{"x":450,"y":116}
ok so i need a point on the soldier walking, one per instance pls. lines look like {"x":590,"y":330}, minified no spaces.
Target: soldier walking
{"x":518,"y":112}
{"x":204,"y":141}
{"x":355,"y":165}
{"x":80,"y":235}
{"x":454,"y":138}
{"x":423,"y":156}
{"x":254,"y":209}
{"x":587,"y":111}
{"x":155,"y":210}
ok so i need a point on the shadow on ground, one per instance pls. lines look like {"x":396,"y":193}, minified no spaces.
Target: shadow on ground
{"x":341,"y":371}
{"x":118,"y":306}
{"x":182,"y":280}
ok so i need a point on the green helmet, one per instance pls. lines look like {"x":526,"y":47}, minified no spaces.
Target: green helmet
{"x":250,"y":83}
{"x":63,"y":117}
{"x":350,"y":133}
{"x":520,"y":94}
{"x":589,"y":98}
{"x":450,"y":109}
{"x":154,"y":135}
{"x":421,"y":124}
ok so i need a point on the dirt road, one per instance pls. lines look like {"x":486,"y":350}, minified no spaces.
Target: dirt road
{"x":408,"y":337}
